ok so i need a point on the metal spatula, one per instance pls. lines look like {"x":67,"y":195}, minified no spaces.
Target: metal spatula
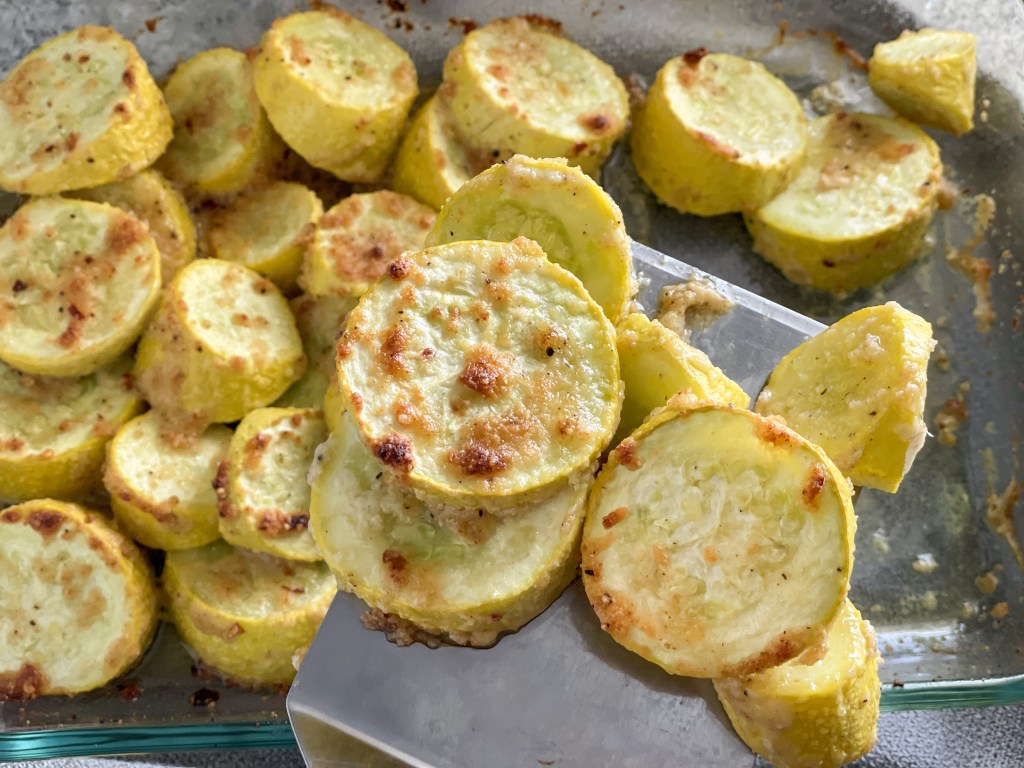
{"x":559,"y":691}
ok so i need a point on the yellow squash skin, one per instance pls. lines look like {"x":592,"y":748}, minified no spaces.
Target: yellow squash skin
{"x":78,"y":282}
{"x":481,"y":373}
{"x":319,"y":320}
{"x":858,"y":209}
{"x":718,"y":134}
{"x":431,"y":163}
{"x":858,"y":390}
{"x":222,"y":343}
{"x":161,"y":493}
{"x":336,"y":90}
{"x":928,"y":77}
{"x":566,"y":212}
{"x":79,"y":111}
{"x":518,"y":86}
{"x":54,"y":435}
{"x":78,"y":604}
{"x":820,"y":715}
{"x":223,"y":143}
{"x":247,"y":615}
{"x":717,"y":543}
{"x":157,"y":203}
{"x":467,"y":576}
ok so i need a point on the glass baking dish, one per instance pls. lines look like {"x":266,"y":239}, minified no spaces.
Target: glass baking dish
{"x":942,"y":643}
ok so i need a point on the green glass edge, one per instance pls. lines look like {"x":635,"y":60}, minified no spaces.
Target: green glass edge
{"x":78,"y":742}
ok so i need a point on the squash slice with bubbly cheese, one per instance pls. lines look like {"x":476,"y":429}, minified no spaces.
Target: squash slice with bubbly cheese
{"x":78,"y":281}
{"x":161,"y":492}
{"x":566,"y":212}
{"x":223,"y":142}
{"x":262,"y":493}
{"x":718,"y":134}
{"x":55,"y":430}
{"x":819,"y":715}
{"x":481,"y":374}
{"x":155,"y":201}
{"x":79,"y":111}
{"x":268,"y":230}
{"x":337,"y":90}
{"x":431,"y":163}
{"x":222,"y":343}
{"x":657,"y":364}
{"x":466,"y":576}
{"x":717,"y":543}
{"x":247,"y":615}
{"x":78,"y":605}
{"x":928,"y":77}
{"x":858,"y":389}
{"x":858,"y":210}
{"x":356,"y":239}
{"x":518,"y":86}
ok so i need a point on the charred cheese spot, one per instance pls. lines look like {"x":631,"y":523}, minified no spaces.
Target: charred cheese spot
{"x":395,"y":452}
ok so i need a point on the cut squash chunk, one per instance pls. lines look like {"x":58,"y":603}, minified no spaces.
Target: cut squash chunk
{"x":55,"y":430}
{"x":262,"y":493}
{"x":481,"y":373}
{"x":718,"y":543}
{"x":151,"y":198}
{"x":78,"y":604}
{"x":246,"y":615}
{"x":859,"y":208}
{"x":222,"y":343}
{"x":464,"y":576}
{"x":431,"y":163}
{"x":79,"y":111}
{"x":656,"y":364}
{"x":78,"y":281}
{"x":718,"y":134}
{"x":518,"y":86}
{"x":319,"y":320}
{"x":820,"y":715}
{"x":162,"y":493}
{"x":268,"y":231}
{"x":928,"y":77}
{"x":337,"y":90}
{"x":356,"y":239}
{"x":223,"y":142}
{"x":566,"y":212}
{"x":858,"y":389}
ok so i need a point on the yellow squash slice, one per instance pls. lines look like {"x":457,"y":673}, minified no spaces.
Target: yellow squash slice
{"x":222,"y":343}
{"x":518,"y":86}
{"x":54,"y":431}
{"x":718,"y":134}
{"x":337,"y":90}
{"x":160,"y":492}
{"x":151,"y":198}
{"x":319,"y":320}
{"x":928,"y":77}
{"x":431,"y":163}
{"x":79,"y":111}
{"x":223,"y":142}
{"x":481,"y":373}
{"x":262,"y":493}
{"x":657,"y":364}
{"x":858,"y":389}
{"x":566,"y":212}
{"x":718,"y":543}
{"x":820,"y":715}
{"x":78,"y":281}
{"x":268,"y":230}
{"x":356,"y":239}
{"x":246,"y":614}
{"x":859,"y":207}
{"x":77,"y":600}
{"x":465,"y":576}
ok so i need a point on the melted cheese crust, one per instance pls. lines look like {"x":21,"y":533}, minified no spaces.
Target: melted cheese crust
{"x":481,"y":373}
